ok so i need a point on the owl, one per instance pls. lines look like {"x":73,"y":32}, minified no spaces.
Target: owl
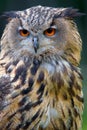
{"x":40,"y":81}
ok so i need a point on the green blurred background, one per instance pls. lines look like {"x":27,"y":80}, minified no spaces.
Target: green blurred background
{"x":7,"y":5}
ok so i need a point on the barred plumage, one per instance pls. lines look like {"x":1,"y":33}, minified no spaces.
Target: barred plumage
{"x":40,"y":82}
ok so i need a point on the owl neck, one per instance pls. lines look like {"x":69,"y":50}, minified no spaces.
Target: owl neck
{"x":47,"y":61}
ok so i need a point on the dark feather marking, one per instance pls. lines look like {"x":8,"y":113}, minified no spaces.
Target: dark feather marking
{"x":72,"y":102}
{"x":64,"y":96}
{"x":80,"y":98}
{"x":58,"y":79}
{"x":11,"y":116}
{"x":30,"y":82}
{"x":77,"y":86}
{"x":37,"y":103}
{"x":76,"y":112}
{"x":8,"y":125}
{"x":23,"y":116}
{"x":72,"y":77}
{"x":40,"y":95}
{"x":46,"y":93}
{"x":76,"y":126}
{"x":5,"y":87}
{"x":65,"y":69}
{"x":28,"y":106}
{"x":41,"y":114}
{"x":71,"y":82}
{"x":23,"y":101}
{"x":20,"y":71}
{"x":29,"y":88}
{"x":26,"y":91}
{"x":23,"y":76}
{"x":53,"y":103}
{"x":15,"y":62}
{"x":36,"y":62}
{"x":71,"y":92}
{"x":40,"y":77}
{"x":63,"y":112}
{"x":35,"y":116}
{"x":70,"y":123}
{"x":5,"y":84}
{"x":54,"y":126}
{"x":69,"y":111}
{"x":28,"y":123}
{"x":63,"y":127}
{"x":9,"y":70}
{"x":34,"y":68}
{"x":18,"y":126}
{"x":41,"y":90}
{"x":76,"y":70}
{"x":71,"y":118}
{"x":34,"y":127}
{"x":7,"y":66}
{"x":24,"y":107}
{"x":18,"y":86}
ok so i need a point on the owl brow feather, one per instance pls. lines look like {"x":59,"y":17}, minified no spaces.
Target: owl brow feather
{"x":68,"y":13}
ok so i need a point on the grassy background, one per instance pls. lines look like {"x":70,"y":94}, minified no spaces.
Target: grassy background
{"x":7,"y":5}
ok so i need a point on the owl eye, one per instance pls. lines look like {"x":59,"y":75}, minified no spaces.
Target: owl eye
{"x":50,"y":32}
{"x":24,"y":33}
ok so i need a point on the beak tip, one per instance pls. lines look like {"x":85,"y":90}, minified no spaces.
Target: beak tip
{"x":35,"y":49}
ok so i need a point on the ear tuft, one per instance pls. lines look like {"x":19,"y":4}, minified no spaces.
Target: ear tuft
{"x":9,"y":15}
{"x":69,"y":13}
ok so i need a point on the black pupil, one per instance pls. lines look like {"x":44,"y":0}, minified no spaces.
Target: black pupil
{"x":25,"y":31}
{"x":49,"y":30}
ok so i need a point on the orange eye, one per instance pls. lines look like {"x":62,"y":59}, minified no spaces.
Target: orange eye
{"x":50,"y":32}
{"x":24,"y":33}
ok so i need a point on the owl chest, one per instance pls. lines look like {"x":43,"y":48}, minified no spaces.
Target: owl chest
{"x":39,"y":96}
{"x":29,"y":97}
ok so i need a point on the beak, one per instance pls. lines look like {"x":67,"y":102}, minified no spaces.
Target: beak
{"x":35,"y":44}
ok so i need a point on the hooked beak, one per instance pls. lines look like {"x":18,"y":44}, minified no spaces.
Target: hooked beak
{"x":35,"y":44}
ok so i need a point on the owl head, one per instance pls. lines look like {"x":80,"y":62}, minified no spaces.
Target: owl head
{"x":42,"y":31}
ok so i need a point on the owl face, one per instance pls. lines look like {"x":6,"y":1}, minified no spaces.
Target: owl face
{"x":48,"y":36}
{"x":40,"y":30}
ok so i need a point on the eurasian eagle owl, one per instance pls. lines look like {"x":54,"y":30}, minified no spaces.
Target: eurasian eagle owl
{"x":40,"y":82}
